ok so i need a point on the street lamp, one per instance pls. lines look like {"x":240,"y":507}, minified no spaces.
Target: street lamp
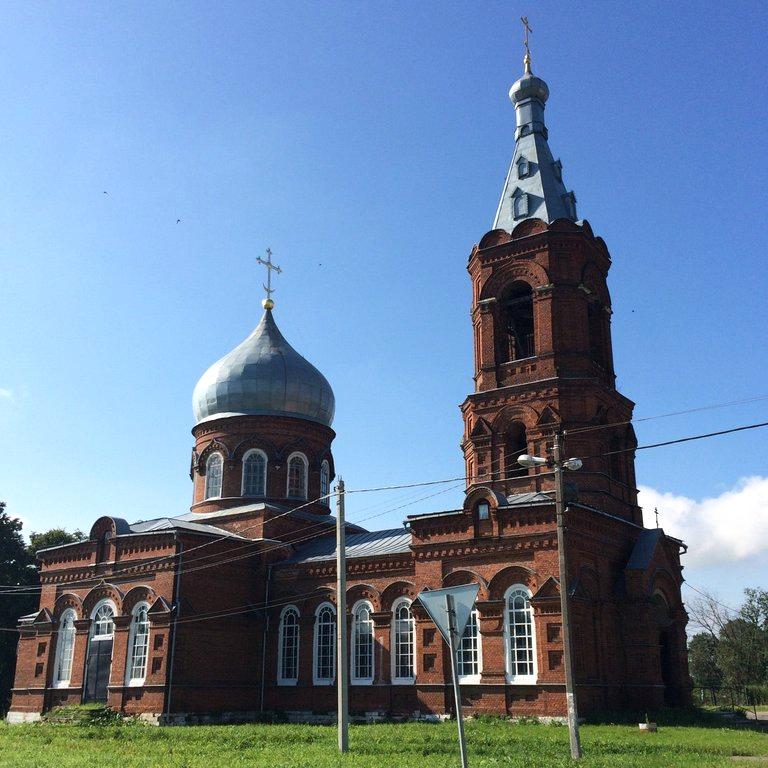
{"x":558,"y":465}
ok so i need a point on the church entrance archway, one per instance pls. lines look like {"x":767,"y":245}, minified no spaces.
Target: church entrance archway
{"x":99,"y":663}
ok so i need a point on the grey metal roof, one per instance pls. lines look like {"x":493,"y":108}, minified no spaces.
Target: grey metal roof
{"x":645,"y":546}
{"x":546,"y":195}
{"x":528,"y":499}
{"x":369,"y":544}
{"x":264,"y":375}
{"x":176,"y":524}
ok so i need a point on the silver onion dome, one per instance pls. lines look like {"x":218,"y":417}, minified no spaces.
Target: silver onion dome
{"x":264,"y":375}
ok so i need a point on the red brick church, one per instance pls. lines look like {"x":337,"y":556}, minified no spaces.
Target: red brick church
{"x":229,"y":610}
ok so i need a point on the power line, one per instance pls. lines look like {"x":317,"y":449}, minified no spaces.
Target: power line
{"x":593,"y":427}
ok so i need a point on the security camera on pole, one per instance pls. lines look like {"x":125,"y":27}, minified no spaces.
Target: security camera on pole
{"x":558,"y":465}
{"x":450,"y":609}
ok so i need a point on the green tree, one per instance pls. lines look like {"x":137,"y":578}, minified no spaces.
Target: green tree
{"x":52,"y":538}
{"x":16,"y":570}
{"x":702,"y":662}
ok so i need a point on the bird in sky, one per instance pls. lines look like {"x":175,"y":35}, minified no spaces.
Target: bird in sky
{"x":178,"y":221}
{"x":105,"y":192}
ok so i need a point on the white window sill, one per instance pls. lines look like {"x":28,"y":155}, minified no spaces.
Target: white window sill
{"x":287,"y":682}
{"x":469,"y":679}
{"x":61,"y":684}
{"x":403,"y":680}
{"x":136,"y":682}
{"x":362,"y":681}
{"x":315,"y":681}
{"x":530,"y":680}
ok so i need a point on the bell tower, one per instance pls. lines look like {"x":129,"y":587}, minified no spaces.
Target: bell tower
{"x":541,"y":319}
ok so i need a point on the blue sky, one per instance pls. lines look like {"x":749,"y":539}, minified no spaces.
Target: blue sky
{"x":367,"y":144}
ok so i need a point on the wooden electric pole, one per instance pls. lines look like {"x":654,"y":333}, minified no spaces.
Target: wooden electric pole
{"x":342,"y":667}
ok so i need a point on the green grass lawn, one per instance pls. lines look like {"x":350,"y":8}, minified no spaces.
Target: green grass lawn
{"x":407,"y":745}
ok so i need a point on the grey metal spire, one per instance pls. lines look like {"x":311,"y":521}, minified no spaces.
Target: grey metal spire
{"x":534,"y":187}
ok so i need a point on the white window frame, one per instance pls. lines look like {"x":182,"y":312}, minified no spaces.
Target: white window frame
{"x":354,"y":679}
{"x":305,"y":489}
{"x":246,"y":456}
{"x":289,"y":609}
{"x":478,"y":649}
{"x":65,"y":635}
{"x":486,"y":515}
{"x":131,"y":651}
{"x":512,"y":677}
{"x":396,"y":680}
{"x":92,"y":634}
{"x":325,"y":483}
{"x":208,"y":495}
{"x":316,"y":679}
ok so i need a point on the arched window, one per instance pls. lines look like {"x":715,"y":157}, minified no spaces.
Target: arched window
{"x":523,"y":167}
{"x":65,"y":649}
{"x":324,"y":667}
{"x":520,"y":205}
{"x":470,"y":651}
{"x":288,"y":647}
{"x":138,"y":645}
{"x":362,"y":644}
{"x":297,"y":476}
{"x":214,"y":467}
{"x":325,"y":482}
{"x":517,"y":329}
{"x":102,"y":622}
{"x":519,"y":635}
{"x":254,"y":473}
{"x":597,"y":350}
{"x":403,"y":636}
{"x":515,"y":445}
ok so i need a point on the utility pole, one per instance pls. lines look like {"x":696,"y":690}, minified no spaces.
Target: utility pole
{"x":570,"y":695}
{"x":453,"y":644}
{"x":342,"y":667}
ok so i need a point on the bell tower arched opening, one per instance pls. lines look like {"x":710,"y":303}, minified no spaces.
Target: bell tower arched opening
{"x":516,"y":337}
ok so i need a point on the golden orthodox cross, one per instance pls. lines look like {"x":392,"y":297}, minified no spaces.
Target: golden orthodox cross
{"x":270,"y":268}
{"x":528,"y":30}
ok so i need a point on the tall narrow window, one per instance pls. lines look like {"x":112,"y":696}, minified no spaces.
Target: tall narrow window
{"x":138,"y":645}
{"x":214,"y":468}
{"x":255,"y":473}
{"x":469,"y":655}
{"x":597,"y":320}
{"x":515,"y":445}
{"x":403,"y":632}
{"x":519,"y":635}
{"x":297,"y":476}
{"x":523,"y":168}
{"x":65,"y":649}
{"x":362,"y":644}
{"x":325,"y":645}
{"x":325,"y":482}
{"x":288,"y":654}
{"x":483,"y":510}
{"x":516,"y":335}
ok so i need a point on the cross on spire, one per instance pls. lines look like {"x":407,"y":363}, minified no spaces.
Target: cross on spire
{"x":268,"y":303}
{"x":527,"y":59}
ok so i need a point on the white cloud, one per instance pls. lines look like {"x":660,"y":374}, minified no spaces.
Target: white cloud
{"x":6,"y":394}
{"x":729,"y":527}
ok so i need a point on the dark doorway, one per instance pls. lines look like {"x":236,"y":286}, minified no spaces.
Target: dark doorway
{"x":97,"y":673}
{"x":667,"y":667}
